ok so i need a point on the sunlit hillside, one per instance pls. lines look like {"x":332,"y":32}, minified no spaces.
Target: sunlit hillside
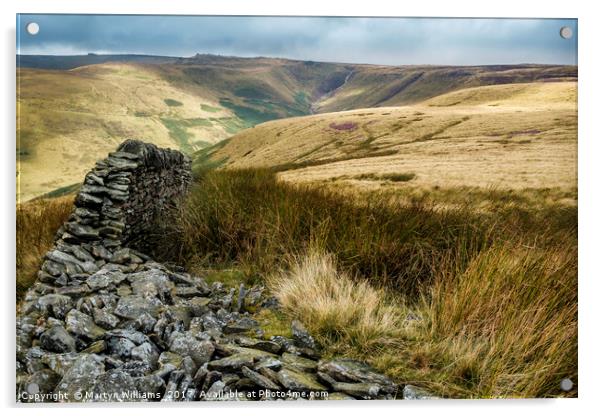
{"x":505,"y":136}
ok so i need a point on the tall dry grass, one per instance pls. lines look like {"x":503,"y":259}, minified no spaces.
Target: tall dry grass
{"x":37,"y":224}
{"x":465,"y":301}
{"x":506,"y":326}
{"x":344,"y":314}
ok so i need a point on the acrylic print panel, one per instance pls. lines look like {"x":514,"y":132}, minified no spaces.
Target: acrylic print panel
{"x":282,"y":208}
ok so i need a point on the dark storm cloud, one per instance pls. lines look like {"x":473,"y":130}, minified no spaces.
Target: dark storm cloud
{"x":369,"y":40}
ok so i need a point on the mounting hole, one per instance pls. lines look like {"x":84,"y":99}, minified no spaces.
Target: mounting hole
{"x":566,"y":32}
{"x":33,"y":28}
{"x":566,"y":384}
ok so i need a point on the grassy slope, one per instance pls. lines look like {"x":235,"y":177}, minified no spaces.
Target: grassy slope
{"x":69,"y":118}
{"x":506,"y":136}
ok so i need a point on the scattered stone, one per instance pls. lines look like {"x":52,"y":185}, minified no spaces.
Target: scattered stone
{"x":80,"y":378}
{"x":352,"y":371}
{"x":130,"y":307}
{"x":259,"y":380}
{"x":301,"y":337}
{"x":299,"y":363}
{"x":186,"y":344}
{"x":232,"y":363}
{"x":297,"y":381}
{"x":114,"y":386}
{"x":56,"y":339}
{"x":416,"y":393}
{"x":105,"y":319}
{"x":83,"y":326}
{"x":56,"y":305}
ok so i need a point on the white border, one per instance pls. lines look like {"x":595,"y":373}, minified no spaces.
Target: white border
{"x":589,"y":184}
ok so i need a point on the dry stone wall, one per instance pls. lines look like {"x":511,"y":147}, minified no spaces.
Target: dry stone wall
{"x":116,"y":206}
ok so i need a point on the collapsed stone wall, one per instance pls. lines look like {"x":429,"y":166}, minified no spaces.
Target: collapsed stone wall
{"x":104,"y":322}
{"x":118,"y":204}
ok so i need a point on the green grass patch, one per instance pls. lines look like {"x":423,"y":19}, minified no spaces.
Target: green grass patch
{"x":197,"y":122}
{"x":177,"y":131}
{"x":210,"y":108}
{"x":393,"y":177}
{"x":172,"y":103}
{"x":249,"y":115}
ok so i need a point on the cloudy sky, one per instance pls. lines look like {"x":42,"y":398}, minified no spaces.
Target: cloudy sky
{"x":394,"y":41}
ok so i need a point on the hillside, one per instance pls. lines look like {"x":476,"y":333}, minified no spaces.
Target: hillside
{"x":505,"y":136}
{"x":67,"y":118}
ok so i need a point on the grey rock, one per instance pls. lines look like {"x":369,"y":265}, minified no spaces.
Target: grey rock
{"x":150,"y":386}
{"x":130,"y":307}
{"x":121,"y":347}
{"x":232,"y":363}
{"x":69,"y":260}
{"x":258,"y":344}
{"x":299,"y":363}
{"x":114,"y":386}
{"x":186,"y":344}
{"x":298,"y":381}
{"x":352,"y":371}
{"x":243,"y":325}
{"x":135,"y":336}
{"x":83,"y":326}
{"x":301,"y":337}
{"x":59,"y":363}
{"x":146,"y":322}
{"x":259,"y":379}
{"x":100,"y":252}
{"x":74,"y":292}
{"x":360,"y":390}
{"x":105,"y":319}
{"x":56,"y":339}
{"x":146,"y":352}
{"x":84,"y":232}
{"x":80,"y":377}
{"x":199,"y":305}
{"x":215,"y":391}
{"x":86,"y":200}
{"x":411,"y":392}
{"x":105,"y":278}
{"x":56,"y":305}
{"x":121,"y":164}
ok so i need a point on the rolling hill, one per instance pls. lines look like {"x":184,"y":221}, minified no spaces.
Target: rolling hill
{"x":503,"y":136}
{"x":72,"y":110}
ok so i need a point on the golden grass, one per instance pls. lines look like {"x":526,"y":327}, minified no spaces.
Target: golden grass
{"x":343,"y":314}
{"x":66,"y":120}
{"x":37,"y":224}
{"x":511,"y":136}
{"x":505,"y":326}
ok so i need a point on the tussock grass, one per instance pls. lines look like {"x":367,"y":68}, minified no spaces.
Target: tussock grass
{"x":37,"y":224}
{"x":344,"y":314}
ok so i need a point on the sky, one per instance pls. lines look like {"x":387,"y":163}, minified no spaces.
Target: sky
{"x":389,"y":41}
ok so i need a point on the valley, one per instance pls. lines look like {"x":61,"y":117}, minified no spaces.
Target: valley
{"x":71,"y":111}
